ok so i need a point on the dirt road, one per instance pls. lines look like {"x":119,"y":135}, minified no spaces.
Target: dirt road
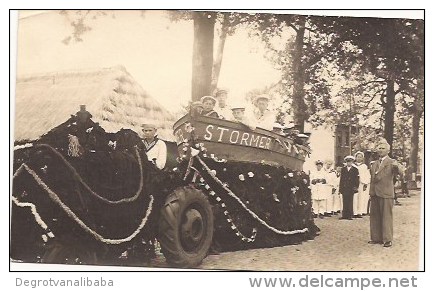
{"x":342,"y":245}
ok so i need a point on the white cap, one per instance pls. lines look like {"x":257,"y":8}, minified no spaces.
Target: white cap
{"x":349,"y":158}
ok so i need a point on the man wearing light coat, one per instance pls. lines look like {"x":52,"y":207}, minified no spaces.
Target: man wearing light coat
{"x":381,"y":192}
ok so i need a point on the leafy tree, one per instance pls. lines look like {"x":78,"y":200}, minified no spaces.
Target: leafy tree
{"x":392,"y":50}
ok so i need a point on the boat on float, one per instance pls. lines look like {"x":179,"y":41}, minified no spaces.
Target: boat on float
{"x":235,"y":141}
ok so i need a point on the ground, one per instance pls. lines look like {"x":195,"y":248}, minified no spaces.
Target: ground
{"x":341,"y":246}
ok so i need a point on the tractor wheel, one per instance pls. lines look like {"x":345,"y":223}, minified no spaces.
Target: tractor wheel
{"x":60,"y":253}
{"x":186,"y":227}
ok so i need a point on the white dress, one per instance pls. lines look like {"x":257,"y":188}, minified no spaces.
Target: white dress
{"x":363,"y":195}
{"x":320,"y":188}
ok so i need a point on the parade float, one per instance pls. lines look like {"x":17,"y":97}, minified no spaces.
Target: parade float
{"x":84,"y":196}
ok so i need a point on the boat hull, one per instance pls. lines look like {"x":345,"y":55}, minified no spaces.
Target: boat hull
{"x":236,"y":142}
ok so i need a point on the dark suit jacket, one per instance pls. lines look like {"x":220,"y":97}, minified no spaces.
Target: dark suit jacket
{"x":349,"y":181}
{"x":382,"y":178}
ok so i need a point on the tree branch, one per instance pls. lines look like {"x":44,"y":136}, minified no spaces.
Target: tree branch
{"x":293,"y":26}
{"x":371,"y":82}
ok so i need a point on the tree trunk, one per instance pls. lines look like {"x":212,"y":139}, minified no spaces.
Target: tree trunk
{"x":389,"y":108}
{"x":219,"y":56}
{"x":203,"y":46}
{"x":298,"y":103}
{"x":414,"y":139}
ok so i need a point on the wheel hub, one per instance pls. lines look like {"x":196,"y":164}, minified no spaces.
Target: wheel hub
{"x":192,"y":228}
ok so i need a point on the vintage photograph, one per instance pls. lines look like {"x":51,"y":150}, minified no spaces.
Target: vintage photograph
{"x":218,"y":140}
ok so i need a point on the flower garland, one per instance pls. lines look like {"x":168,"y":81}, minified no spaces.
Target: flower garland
{"x":54,"y":197}
{"x":38,"y":218}
{"x":35,"y":213}
{"x":76,"y":174}
{"x":229,"y":219}
{"x":254,"y":215}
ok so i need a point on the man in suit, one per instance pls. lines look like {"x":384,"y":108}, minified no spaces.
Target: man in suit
{"x":348,"y":185}
{"x":382,"y":194}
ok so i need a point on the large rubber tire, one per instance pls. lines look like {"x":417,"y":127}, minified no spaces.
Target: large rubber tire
{"x":60,"y":253}
{"x":186,"y":227}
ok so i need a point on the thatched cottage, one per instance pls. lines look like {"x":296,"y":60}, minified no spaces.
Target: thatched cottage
{"x":111,"y":95}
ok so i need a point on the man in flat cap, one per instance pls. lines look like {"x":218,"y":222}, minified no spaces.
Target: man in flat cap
{"x":381,"y":192}
{"x":238,"y":115}
{"x":222,"y":108}
{"x":348,"y":185}
{"x":261,"y":114}
{"x":156,"y":149}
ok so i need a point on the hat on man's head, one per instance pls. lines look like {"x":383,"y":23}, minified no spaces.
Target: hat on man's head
{"x":148,"y":126}
{"x":319,"y":162}
{"x":238,"y":106}
{"x":204,"y":98}
{"x":349,"y":158}
{"x":220,"y":91}
{"x":260,"y":97}
{"x":196,"y":104}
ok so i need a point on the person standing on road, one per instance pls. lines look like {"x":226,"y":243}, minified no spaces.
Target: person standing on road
{"x":348,"y":185}
{"x":362,"y":197}
{"x":382,"y":194}
{"x":319,"y":189}
{"x":404,"y":179}
{"x":333,"y":200}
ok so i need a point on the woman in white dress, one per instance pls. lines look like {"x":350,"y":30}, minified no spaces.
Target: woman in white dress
{"x":361,"y":198}
{"x":333,"y":200}
{"x":319,"y":187}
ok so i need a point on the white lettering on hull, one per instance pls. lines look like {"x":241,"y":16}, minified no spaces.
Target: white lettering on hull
{"x":208,"y":135}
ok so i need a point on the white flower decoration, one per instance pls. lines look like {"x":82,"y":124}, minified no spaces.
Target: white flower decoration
{"x":188,"y":128}
{"x":250,"y":174}
{"x":241,"y":177}
{"x":290,"y":174}
{"x":194,"y":152}
{"x":275,"y":197}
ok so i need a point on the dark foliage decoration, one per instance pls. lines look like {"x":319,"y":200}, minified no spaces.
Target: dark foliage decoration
{"x":279,"y":197}
{"x":106,"y":184}
{"x":105,"y":179}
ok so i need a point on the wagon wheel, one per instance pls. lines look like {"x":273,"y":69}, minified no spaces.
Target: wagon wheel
{"x":186,"y":227}
{"x":63,"y":253}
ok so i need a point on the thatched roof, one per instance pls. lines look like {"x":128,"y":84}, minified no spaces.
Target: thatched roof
{"x":111,"y":95}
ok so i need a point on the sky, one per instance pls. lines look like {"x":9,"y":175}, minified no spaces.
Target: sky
{"x":154,"y":50}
